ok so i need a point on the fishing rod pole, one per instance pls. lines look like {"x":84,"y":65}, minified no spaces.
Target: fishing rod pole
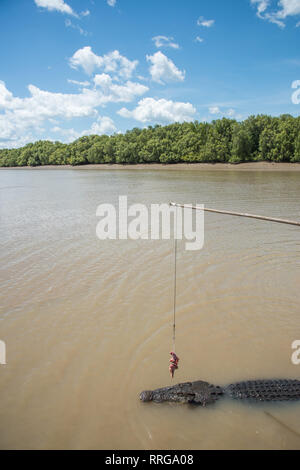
{"x":237,"y":214}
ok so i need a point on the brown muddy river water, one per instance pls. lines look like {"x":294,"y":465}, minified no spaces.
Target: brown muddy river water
{"x":88,"y":323}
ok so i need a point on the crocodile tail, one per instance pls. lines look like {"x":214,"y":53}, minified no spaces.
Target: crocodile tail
{"x":265,"y":390}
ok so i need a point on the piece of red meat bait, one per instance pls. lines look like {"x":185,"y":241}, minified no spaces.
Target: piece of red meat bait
{"x":173,"y":363}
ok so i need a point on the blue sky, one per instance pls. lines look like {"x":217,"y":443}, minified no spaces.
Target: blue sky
{"x":77,"y":67}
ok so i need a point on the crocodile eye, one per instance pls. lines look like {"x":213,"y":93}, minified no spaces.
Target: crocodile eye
{"x":146,"y":396}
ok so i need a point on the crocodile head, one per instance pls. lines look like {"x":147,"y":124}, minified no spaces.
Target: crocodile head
{"x":199,"y":392}
{"x":146,"y":395}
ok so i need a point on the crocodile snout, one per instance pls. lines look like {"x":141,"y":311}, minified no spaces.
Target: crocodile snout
{"x":146,"y":396}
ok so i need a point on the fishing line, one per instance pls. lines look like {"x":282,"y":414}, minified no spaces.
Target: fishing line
{"x":175,"y":279}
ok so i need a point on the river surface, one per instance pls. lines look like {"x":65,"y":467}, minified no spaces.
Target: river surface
{"x":88,"y":323}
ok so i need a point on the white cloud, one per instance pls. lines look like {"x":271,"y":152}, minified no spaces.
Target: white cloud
{"x":262,"y":6}
{"x":81,"y":84}
{"x":206,"y":23}
{"x":85,"y":13}
{"x":103,"y":125}
{"x":111,"y":3}
{"x":69,"y":134}
{"x":214,"y":110}
{"x":69,"y":24}
{"x":86,"y":59}
{"x":151,"y":110}
{"x":116,"y":93}
{"x":231,"y":113}
{"x":6,"y":97}
{"x":287,"y":8}
{"x":56,"y":5}
{"x":15,"y":140}
{"x":273,"y":19}
{"x":113,"y":62}
{"x":164,"y":41}
{"x":163,"y":69}
{"x":19,"y":116}
{"x":198,"y":39}
{"x":44,"y":104}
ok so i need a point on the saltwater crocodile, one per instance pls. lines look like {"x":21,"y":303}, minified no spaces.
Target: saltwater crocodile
{"x":203,"y":393}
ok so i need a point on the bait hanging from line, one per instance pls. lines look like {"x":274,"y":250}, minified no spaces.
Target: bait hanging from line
{"x":173,"y":363}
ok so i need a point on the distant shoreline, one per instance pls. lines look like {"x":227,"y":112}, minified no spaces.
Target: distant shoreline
{"x":250,"y":166}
